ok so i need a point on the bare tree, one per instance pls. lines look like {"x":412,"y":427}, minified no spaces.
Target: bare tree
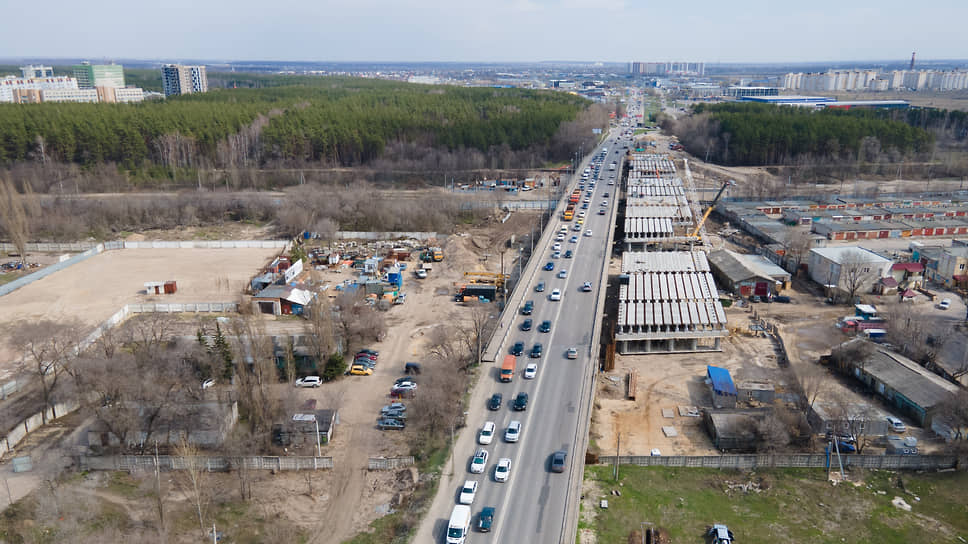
{"x":193,"y":480}
{"x":15,"y":213}
{"x":813,"y":380}
{"x":954,"y":412}
{"x":915,"y":337}
{"x":255,"y":373}
{"x":48,"y":349}
{"x":358,"y":322}
{"x":855,"y":420}
{"x":855,"y":273}
{"x":798,"y":247}
{"x":477,"y":329}
{"x":772,"y":433}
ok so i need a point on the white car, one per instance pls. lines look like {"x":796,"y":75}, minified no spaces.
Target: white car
{"x":944,"y":304}
{"x":556,"y":247}
{"x":479,"y":463}
{"x":656,"y":452}
{"x":586,"y":287}
{"x":588,"y":232}
{"x":560,"y":237}
{"x":581,"y":215}
{"x":468,"y":492}
{"x":563,"y":273}
{"x":487,"y":433}
{"x":208,"y":383}
{"x":572,"y":353}
{"x":513,"y":431}
{"x":503,"y":470}
{"x":555,"y":295}
{"x":309,"y":381}
{"x":530,"y":371}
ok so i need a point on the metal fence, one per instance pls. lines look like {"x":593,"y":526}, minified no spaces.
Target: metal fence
{"x":389,"y":463}
{"x":210,"y":464}
{"x":787,"y":460}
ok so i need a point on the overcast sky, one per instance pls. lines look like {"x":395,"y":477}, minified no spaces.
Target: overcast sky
{"x":486,"y":30}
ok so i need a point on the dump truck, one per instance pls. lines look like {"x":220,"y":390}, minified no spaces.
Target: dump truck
{"x":432,"y":254}
{"x":507,"y":369}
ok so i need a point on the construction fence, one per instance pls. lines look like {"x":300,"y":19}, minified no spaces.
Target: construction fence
{"x":788,"y":460}
{"x":389,"y":463}
{"x":134,"y":463}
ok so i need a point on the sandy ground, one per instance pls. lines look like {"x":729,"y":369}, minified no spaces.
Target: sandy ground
{"x":666,"y":382}
{"x":93,"y":290}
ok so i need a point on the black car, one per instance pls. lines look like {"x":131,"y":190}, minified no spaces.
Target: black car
{"x":568,"y":254}
{"x":545,"y":326}
{"x":584,"y":206}
{"x":558,"y":461}
{"x":517,"y":348}
{"x":521,"y":402}
{"x":528,"y":307}
{"x":486,"y":519}
{"x":782,"y":299}
{"x":601,"y":211}
{"x":541,"y":285}
{"x":494,"y":403}
{"x":536,"y":351}
{"x":526,"y":324}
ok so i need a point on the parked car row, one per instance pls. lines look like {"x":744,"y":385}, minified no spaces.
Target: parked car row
{"x":393,"y":416}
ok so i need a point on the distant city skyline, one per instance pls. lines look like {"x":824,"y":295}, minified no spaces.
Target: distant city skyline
{"x":757,"y":31}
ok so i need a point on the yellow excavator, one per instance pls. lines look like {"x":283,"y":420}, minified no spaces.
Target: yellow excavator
{"x":695,"y":233}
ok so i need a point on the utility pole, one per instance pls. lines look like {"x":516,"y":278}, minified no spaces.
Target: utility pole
{"x":618,"y":444}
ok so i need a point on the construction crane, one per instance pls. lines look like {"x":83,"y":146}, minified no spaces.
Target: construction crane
{"x":695,"y":232}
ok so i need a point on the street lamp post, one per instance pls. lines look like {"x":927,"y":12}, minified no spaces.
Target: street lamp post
{"x":319,"y":453}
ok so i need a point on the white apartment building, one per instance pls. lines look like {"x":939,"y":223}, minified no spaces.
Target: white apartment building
{"x":10,"y":83}
{"x":872,"y":80}
{"x":120,"y":94}
{"x":69,"y":95}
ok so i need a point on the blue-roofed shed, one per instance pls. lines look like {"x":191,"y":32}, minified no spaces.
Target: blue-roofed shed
{"x":722,"y":386}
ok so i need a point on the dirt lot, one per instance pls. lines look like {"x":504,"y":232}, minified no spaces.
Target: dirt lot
{"x":362,"y":496}
{"x":94,"y":289}
{"x":666,"y":382}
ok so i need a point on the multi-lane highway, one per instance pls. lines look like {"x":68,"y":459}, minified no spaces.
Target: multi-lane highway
{"x":535,"y":504}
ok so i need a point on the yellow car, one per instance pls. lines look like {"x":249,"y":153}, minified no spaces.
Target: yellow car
{"x":580,"y":221}
{"x":360,"y":370}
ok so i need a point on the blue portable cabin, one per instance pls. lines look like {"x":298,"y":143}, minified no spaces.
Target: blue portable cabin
{"x":722,"y":386}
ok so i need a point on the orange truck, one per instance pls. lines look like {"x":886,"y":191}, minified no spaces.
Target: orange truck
{"x":507,"y":369}
{"x":575,"y":197}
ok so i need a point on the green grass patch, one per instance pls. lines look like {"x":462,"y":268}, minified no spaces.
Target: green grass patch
{"x":792,"y":505}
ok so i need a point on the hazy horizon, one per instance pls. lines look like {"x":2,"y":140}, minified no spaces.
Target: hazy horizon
{"x":509,"y":31}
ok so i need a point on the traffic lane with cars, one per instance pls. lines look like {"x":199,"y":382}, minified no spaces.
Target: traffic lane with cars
{"x":531,"y":505}
{"x":531,"y":456}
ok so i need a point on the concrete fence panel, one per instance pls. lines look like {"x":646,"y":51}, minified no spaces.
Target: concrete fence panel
{"x":389,"y":463}
{"x":211,"y":464}
{"x":34,"y":422}
{"x":3,"y":447}
{"x":16,"y":435}
{"x":788,"y":460}
{"x":48,"y":270}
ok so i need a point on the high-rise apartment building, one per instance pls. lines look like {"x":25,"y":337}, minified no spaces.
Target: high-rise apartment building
{"x":179,"y":79}
{"x":90,"y":75}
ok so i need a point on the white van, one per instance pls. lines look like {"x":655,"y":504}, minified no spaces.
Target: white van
{"x":459,"y":525}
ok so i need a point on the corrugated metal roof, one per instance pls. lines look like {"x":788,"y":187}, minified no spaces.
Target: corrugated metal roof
{"x":908,"y":378}
{"x":721,"y":380}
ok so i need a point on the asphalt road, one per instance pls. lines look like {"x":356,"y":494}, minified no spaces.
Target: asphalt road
{"x":533,"y":505}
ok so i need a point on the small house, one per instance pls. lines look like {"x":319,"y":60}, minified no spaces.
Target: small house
{"x":282,"y":300}
{"x":734,"y":429}
{"x":300,"y":429}
{"x":756,"y":390}
{"x":722,"y":387}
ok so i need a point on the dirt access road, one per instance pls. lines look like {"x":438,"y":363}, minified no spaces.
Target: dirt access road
{"x":353,"y":496}
{"x":93,"y":290}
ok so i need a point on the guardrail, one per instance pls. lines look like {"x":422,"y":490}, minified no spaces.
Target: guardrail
{"x":210,"y":464}
{"x":787,"y":460}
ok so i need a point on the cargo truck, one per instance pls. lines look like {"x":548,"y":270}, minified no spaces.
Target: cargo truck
{"x":507,"y":369}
